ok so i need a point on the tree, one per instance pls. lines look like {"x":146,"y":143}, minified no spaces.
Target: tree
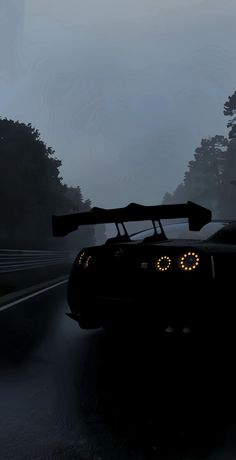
{"x":230,"y":111}
{"x":203,"y":181}
{"x":179,"y":195}
{"x":211,"y":176}
{"x":31,"y":188}
{"x":228,"y":208}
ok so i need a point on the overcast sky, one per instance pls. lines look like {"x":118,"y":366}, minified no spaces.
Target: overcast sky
{"x":122,"y":90}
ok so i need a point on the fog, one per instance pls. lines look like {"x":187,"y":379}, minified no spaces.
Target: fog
{"x":123,"y":91}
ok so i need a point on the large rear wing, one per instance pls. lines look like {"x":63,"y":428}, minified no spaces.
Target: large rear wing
{"x":197,"y":215}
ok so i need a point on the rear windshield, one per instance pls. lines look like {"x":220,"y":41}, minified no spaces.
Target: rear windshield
{"x":181,"y":230}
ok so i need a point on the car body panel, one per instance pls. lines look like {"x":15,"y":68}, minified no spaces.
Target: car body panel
{"x":149,"y":280}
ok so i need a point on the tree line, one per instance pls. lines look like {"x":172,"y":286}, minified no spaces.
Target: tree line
{"x":210,"y":179}
{"x":31,"y":190}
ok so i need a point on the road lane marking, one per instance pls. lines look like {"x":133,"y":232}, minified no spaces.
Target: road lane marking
{"x":30,"y":296}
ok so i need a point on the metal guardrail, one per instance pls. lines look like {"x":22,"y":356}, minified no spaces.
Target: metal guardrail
{"x":12,"y":260}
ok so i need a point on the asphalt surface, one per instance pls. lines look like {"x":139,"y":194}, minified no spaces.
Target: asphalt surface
{"x":66,"y":393}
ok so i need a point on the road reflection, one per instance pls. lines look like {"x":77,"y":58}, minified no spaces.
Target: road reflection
{"x":122,"y":395}
{"x":162,"y":397}
{"x":24,"y":327}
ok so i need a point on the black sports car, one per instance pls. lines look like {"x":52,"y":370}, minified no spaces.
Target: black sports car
{"x":173,"y":277}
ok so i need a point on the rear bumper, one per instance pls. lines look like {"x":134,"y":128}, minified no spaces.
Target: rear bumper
{"x":169,"y":315}
{"x":199,"y":307}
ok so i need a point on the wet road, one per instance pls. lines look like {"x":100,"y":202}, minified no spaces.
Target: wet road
{"x":72,"y":394}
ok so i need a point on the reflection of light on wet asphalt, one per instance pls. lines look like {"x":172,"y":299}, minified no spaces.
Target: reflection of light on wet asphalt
{"x":38,"y":398}
{"x":49,"y":400}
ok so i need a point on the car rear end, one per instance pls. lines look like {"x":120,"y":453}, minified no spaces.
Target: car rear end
{"x":170,"y":284}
